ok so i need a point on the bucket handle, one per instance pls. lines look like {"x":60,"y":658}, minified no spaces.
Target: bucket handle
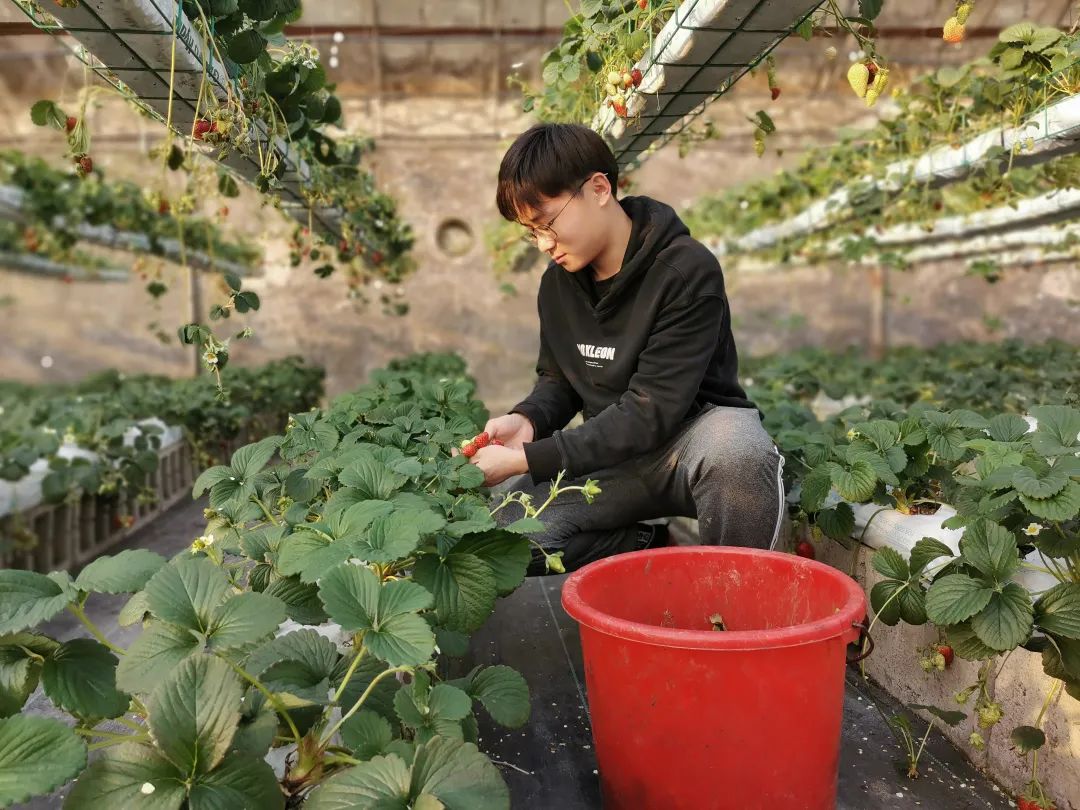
{"x":864,"y":633}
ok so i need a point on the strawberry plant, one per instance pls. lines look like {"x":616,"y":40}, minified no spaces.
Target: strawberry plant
{"x":1028,"y":68}
{"x":1018,"y":493}
{"x":594,"y":64}
{"x":300,"y":629}
{"x":55,"y":206}
{"x":902,"y":729}
{"x":276,"y":111}
{"x":106,"y":415}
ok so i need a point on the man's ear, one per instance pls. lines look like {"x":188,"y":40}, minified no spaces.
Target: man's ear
{"x":601,"y":187}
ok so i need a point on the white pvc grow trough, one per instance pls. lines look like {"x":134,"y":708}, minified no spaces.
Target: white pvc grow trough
{"x":26,"y":493}
{"x":1054,"y":129}
{"x":133,"y":42}
{"x":11,"y":208}
{"x":1033,"y":213}
{"x":70,"y":534}
{"x":700,"y":53}
{"x":40,"y":266}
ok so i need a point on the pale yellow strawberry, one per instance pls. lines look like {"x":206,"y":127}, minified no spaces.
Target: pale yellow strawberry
{"x":858,"y":77}
{"x":953,"y":31}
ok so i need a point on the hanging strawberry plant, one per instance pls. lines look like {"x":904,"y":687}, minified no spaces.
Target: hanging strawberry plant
{"x":1029,"y":70}
{"x":266,"y":118}
{"x":55,"y":207}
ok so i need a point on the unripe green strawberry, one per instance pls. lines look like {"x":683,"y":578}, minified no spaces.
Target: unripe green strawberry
{"x":976,"y":740}
{"x":963,"y":11}
{"x":555,"y":563}
{"x":989,"y":715}
{"x":614,"y":78}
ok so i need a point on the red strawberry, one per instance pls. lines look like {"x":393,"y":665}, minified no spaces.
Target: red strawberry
{"x":71,"y":123}
{"x":806,"y":549}
{"x":620,"y":110}
{"x":85,"y":164}
{"x":946,"y":653}
{"x":775,"y":93}
{"x":635,"y":76}
{"x":377,"y":257}
{"x":163,"y":207}
{"x":643,"y":4}
{"x":1024,"y":803}
{"x":469,"y":450}
{"x":224,"y":212}
{"x":481,"y":441}
{"x":203,"y":127}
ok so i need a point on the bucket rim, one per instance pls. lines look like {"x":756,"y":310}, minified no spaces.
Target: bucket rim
{"x":842,"y":623}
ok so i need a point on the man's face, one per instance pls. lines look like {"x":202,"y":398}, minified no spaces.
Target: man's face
{"x":576,"y":237}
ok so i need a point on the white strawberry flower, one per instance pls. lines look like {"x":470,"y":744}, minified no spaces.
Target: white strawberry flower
{"x":147,"y":789}
{"x":1033,"y":529}
{"x":210,"y":356}
{"x":851,"y":434}
{"x":49,"y":430}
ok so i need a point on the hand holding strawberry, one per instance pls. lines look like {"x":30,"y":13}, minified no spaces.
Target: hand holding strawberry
{"x":496,"y":461}
{"x":513,"y":430}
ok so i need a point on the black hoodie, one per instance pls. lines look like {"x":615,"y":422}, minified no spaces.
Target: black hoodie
{"x":638,"y":354}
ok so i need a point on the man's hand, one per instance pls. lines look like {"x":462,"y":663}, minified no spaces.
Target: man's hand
{"x":499,"y":463}
{"x":514,"y":430}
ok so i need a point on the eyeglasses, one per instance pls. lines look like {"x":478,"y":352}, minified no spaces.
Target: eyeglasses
{"x":533,"y":235}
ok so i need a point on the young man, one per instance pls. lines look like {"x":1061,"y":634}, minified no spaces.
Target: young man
{"x":635,"y":332}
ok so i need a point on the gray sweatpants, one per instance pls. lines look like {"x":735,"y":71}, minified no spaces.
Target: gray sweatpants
{"x":720,"y":467}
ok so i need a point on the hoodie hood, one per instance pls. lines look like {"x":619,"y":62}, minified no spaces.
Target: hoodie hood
{"x":654,"y":226}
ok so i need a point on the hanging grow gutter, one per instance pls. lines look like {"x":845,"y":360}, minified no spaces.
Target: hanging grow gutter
{"x":129,"y":44}
{"x":702,"y":51}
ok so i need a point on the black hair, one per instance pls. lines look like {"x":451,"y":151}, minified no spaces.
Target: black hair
{"x":547,"y":160}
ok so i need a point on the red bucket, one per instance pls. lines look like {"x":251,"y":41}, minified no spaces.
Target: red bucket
{"x":686,"y":717}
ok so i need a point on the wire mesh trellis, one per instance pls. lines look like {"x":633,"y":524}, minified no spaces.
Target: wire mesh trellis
{"x":683,"y":83}
{"x":169,"y":89}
